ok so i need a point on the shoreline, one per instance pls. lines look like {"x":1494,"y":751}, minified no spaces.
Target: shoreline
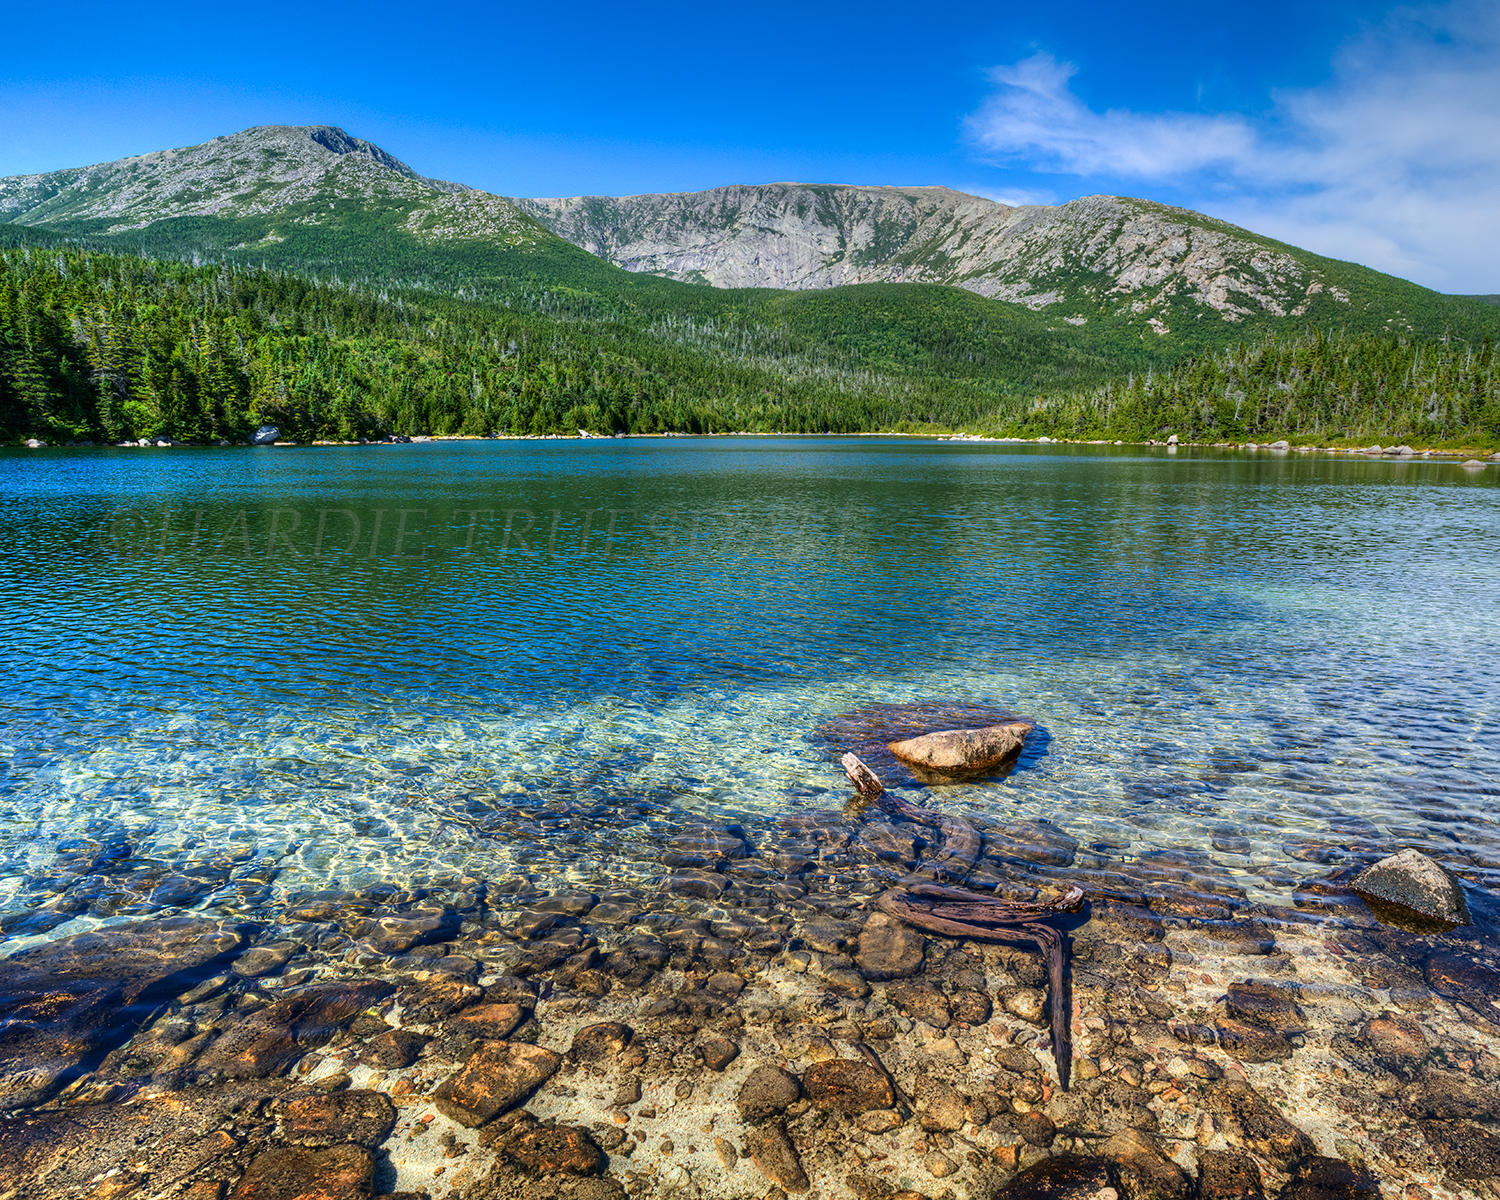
{"x":1377,"y":450}
{"x":377,"y":1034}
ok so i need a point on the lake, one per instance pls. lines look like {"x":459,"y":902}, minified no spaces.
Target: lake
{"x":238,"y":678}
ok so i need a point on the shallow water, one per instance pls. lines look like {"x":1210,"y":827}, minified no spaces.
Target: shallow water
{"x":237,"y":677}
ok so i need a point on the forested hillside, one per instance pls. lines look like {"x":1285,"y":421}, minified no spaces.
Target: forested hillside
{"x":97,"y":345}
{"x":108,"y":346}
{"x":1358,"y":387}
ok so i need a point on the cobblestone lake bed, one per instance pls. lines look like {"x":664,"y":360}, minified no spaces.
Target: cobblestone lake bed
{"x":501,"y":848}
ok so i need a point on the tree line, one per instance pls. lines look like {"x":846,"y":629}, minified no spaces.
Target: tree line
{"x":106,"y":346}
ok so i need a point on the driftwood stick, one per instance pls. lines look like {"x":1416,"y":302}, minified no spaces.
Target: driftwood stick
{"x":961,"y":841}
{"x":865,"y":781}
{"x":874,"y":1060}
{"x":956,"y":912}
{"x":946,"y":918}
{"x":1070,"y":901}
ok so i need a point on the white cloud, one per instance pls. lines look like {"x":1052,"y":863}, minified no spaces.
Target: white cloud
{"x":1035,"y":116}
{"x":1395,"y":162}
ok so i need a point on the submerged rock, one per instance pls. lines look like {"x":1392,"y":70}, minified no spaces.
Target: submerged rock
{"x":294,"y":1173}
{"x":847,"y":1086}
{"x":1412,"y":881}
{"x":1145,"y":1172}
{"x":65,"y":1005}
{"x":317,"y":1119}
{"x":768,"y":1090}
{"x":954,"y":750}
{"x":773,"y":1152}
{"x":494,"y":1079}
{"x":1070,"y":1177}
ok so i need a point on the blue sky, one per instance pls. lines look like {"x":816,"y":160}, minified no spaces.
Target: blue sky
{"x":1363,"y":131}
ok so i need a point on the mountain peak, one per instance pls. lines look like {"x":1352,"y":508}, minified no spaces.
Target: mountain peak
{"x":258,"y":171}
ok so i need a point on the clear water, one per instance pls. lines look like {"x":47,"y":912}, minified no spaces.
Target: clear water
{"x":211,"y":675}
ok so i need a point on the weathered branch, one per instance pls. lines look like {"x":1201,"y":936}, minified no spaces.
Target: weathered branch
{"x":956,"y":912}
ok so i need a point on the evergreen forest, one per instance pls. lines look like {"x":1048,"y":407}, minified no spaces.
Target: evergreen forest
{"x":101,"y":345}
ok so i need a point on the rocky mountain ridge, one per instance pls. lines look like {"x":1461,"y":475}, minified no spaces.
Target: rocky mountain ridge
{"x":1098,"y":257}
{"x":1097,"y":251}
{"x":291,"y":173}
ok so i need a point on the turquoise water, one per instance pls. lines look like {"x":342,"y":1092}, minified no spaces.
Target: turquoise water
{"x":234,"y":677}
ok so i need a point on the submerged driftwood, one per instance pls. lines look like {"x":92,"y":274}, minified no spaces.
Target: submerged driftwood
{"x":955,"y":912}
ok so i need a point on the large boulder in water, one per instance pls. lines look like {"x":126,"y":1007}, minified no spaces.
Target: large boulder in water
{"x":962,"y":750}
{"x":869,"y":732}
{"x":1412,"y":881}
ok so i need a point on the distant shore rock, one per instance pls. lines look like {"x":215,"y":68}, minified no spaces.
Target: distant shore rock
{"x":1411,"y":880}
{"x":962,"y":749}
{"x":266,"y":435}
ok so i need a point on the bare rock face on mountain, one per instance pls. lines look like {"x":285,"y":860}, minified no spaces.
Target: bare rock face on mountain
{"x":1097,"y":251}
{"x":1097,"y":257}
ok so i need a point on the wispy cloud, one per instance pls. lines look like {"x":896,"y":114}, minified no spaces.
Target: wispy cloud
{"x":1395,"y":162}
{"x":1034,"y":116}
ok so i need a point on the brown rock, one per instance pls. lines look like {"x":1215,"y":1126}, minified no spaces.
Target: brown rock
{"x":941,"y":1106}
{"x":846,"y":1086}
{"x":269,"y":958}
{"x":1226,"y":1175}
{"x":960,"y":750}
{"x":490,"y":1022}
{"x":1037,"y":1128}
{"x":1396,"y":1038}
{"x":1330,"y":1179}
{"x":553,"y":1150}
{"x":1462,"y":979}
{"x":1113,"y":1106}
{"x":316,"y":1119}
{"x":495,"y":1079}
{"x":398,"y":933}
{"x":269,"y":1040}
{"x":1145,"y":1173}
{"x":718,"y":1053}
{"x":1029,"y":1004}
{"x":52,"y":1154}
{"x":889,"y":949}
{"x":1450,"y":1096}
{"x":293,"y":1173}
{"x":601,"y":1042}
{"x":1468,"y":1153}
{"x":970,"y":1008}
{"x":1070,"y":1177}
{"x":921,"y":1002}
{"x":725,"y":984}
{"x":429,"y":1002}
{"x":772,"y":1150}
{"x":938,"y":1164}
{"x":768,"y":1090}
{"x":69,"y":1002}
{"x":879,"y":1120}
{"x":1251,"y":1043}
{"x":1265,"y":1004}
{"x":1250,"y":1122}
{"x":393,"y":1050}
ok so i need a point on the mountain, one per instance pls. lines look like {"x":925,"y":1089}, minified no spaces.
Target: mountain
{"x":292,"y":174}
{"x":316,"y":198}
{"x":304,"y":277}
{"x":1088,"y":252}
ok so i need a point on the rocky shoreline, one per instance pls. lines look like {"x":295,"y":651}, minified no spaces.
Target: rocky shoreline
{"x":481,"y":1040}
{"x":269,"y":436}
